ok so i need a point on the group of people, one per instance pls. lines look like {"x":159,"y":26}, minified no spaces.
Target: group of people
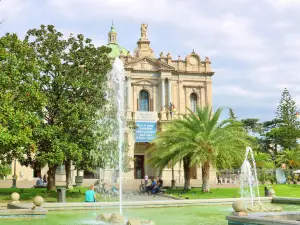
{"x":42,"y":182}
{"x":155,"y":185}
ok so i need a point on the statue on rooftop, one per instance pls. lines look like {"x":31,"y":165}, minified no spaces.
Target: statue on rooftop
{"x":144,"y":28}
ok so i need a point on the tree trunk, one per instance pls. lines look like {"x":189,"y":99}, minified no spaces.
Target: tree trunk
{"x":51,"y":178}
{"x":205,"y":176}
{"x":69,"y":181}
{"x":187,"y":172}
{"x":173,"y":180}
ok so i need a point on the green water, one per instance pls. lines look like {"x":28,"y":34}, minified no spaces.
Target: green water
{"x":191,"y":215}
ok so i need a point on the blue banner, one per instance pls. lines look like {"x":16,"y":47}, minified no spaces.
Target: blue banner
{"x":145,"y":131}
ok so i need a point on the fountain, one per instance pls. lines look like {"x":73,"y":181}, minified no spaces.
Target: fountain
{"x":249,"y":186}
{"x":118,"y":78}
{"x":249,"y":182}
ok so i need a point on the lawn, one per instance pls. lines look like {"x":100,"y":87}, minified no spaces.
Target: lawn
{"x":27,"y":194}
{"x":282,"y":190}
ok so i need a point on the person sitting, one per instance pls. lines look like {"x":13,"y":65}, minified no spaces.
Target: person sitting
{"x":151,"y":186}
{"x":114,"y":189}
{"x":90,"y":195}
{"x":161,"y":182}
{"x":39,"y":182}
{"x":45,"y":179}
{"x":157,"y":187}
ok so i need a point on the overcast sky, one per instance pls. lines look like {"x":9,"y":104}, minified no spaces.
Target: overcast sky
{"x":254,"y":45}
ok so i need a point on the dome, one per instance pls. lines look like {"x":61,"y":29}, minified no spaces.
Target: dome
{"x":116,"y":50}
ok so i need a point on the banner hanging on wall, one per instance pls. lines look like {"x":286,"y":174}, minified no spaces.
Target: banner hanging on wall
{"x":145,"y":131}
{"x":146,"y":126}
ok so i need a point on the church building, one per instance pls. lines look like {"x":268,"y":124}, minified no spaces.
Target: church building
{"x":158,"y":89}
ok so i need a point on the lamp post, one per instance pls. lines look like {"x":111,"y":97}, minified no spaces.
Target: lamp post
{"x":14,"y":180}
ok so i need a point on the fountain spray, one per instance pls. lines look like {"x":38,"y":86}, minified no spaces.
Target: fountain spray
{"x":118,"y":78}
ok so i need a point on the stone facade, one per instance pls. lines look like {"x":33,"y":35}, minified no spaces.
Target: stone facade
{"x":167,"y":82}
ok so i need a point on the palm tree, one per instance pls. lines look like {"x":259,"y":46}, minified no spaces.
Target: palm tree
{"x":263,"y":160}
{"x":291,"y":158}
{"x":200,"y":138}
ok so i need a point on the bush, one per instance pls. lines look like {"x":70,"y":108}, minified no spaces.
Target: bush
{"x":4,"y":170}
{"x":272,"y":179}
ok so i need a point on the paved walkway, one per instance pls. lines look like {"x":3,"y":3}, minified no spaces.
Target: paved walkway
{"x":127,"y":186}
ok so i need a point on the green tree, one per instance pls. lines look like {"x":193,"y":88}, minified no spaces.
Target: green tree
{"x":232,"y":115}
{"x":269,"y":137}
{"x":72,"y":73}
{"x":263,"y":162}
{"x":4,"y":170}
{"x":288,"y":129}
{"x":19,"y":99}
{"x":200,"y":138}
{"x":252,"y":125}
{"x":291,"y":158}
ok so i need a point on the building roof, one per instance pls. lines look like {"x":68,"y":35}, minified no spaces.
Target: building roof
{"x":116,"y":50}
{"x":112,"y":29}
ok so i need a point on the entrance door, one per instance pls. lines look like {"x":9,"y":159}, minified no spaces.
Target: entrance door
{"x":139,"y":167}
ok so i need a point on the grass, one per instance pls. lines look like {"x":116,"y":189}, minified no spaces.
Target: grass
{"x":281,"y":190}
{"x":27,"y":194}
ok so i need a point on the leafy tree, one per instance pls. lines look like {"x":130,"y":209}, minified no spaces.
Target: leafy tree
{"x":232,"y":114}
{"x":288,"y":129}
{"x":200,"y":138}
{"x":252,"y":125}
{"x":263,"y":163}
{"x":4,"y":170}
{"x":269,"y":140}
{"x":19,"y":98}
{"x":72,"y":73}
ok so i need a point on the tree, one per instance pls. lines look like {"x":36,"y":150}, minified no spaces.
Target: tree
{"x":4,"y":170}
{"x":72,"y":73}
{"x":19,"y":99}
{"x":291,"y":158}
{"x":200,"y":138}
{"x":232,"y":114}
{"x":288,"y":129}
{"x":252,"y":125}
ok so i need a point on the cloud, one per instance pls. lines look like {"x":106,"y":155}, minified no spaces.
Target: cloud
{"x":11,"y":7}
{"x":282,"y":5}
{"x":254,"y":45}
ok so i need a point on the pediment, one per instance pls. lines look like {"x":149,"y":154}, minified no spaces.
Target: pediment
{"x":148,"y":64}
{"x":144,"y":82}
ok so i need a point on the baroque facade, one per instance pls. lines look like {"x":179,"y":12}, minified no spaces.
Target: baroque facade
{"x":159,"y":90}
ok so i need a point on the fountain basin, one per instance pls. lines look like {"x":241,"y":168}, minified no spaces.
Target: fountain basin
{"x":265,"y":219}
{"x":23,"y":214}
{"x":187,"y":215}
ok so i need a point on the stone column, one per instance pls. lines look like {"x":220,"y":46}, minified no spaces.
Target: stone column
{"x":170,"y":91}
{"x":129,"y":95}
{"x":209,"y":93}
{"x":134,"y":103}
{"x":202,"y":97}
{"x":186,"y":104}
{"x":154,"y":99}
{"x":163,"y":94}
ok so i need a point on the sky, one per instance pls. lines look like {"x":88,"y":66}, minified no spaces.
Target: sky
{"x":254,"y":45}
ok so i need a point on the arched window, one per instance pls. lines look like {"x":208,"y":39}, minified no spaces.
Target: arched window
{"x":193,"y":99}
{"x":143,"y":101}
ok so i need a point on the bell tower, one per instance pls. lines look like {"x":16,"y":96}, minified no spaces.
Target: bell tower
{"x":112,"y":35}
